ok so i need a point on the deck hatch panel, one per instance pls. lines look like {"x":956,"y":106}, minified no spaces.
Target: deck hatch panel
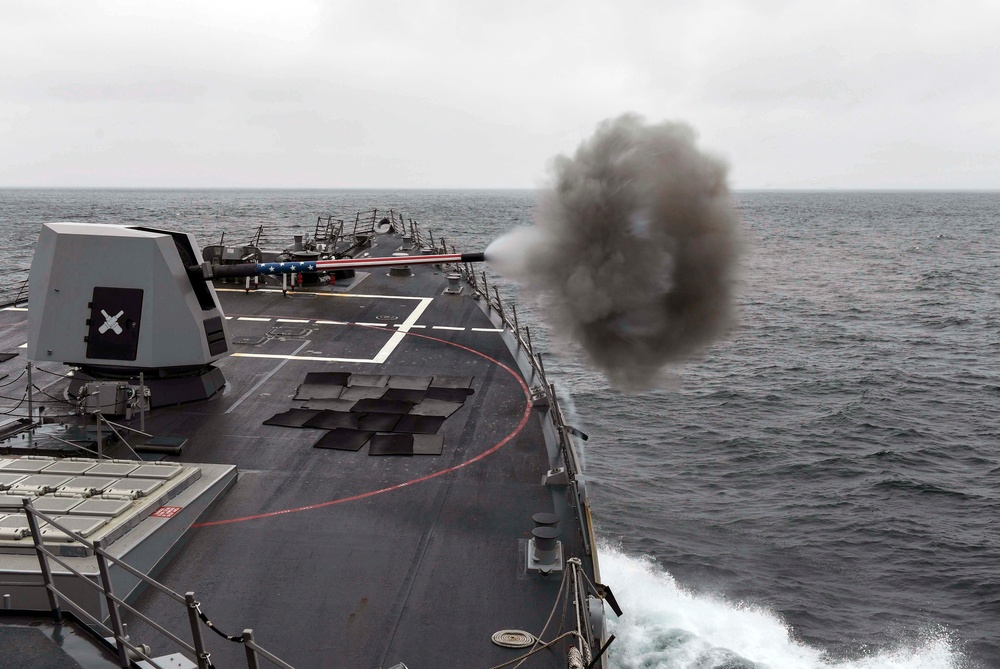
{"x":113,"y":469}
{"x":102,"y":507}
{"x":115,"y":316}
{"x":85,"y":526}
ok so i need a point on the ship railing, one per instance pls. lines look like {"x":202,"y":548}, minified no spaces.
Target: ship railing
{"x":507,"y":312}
{"x":15,"y":287}
{"x":425,"y":240}
{"x":329,"y":230}
{"x":127,"y":652}
{"x":543,"y":392}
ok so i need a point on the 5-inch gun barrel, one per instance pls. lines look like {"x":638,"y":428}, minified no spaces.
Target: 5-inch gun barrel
{"x":294,"y":266}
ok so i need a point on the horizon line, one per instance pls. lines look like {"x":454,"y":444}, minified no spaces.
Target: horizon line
{"x":790,"y":189}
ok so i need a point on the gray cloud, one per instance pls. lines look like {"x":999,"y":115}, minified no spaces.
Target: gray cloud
{"x":482,"y":95}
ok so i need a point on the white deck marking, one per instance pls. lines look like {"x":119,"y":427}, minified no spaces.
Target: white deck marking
{"x":445,"y":327}
{"x":278,"y":290}
{"x":254,"y":318}
{"x":291,"y":320}
{"x":310,"y":358}
{"x":404,"y":327}
{"x":15,"y":308}
{"x":266,"y":376}
{"x":379,"y":358}
{"x":24,"y":345}
{"x":486,"y":329}
{"x":412,"y":327}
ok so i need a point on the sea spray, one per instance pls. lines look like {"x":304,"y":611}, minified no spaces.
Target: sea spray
{"x":633,"y":250}
{"x":665,"y":626}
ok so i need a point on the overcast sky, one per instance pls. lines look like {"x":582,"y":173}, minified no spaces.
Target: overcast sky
{"x":461,"y":93}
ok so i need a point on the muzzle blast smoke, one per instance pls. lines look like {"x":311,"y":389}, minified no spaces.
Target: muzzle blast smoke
{"x":633,"y":250}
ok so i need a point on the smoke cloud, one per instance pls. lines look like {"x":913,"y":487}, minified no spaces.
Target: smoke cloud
{"x":633,"y":251}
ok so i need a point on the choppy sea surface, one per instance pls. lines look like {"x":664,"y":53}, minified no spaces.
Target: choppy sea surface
{"x":821,"y":489}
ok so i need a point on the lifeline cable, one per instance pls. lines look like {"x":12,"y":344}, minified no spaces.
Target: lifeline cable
{"x":62,"y":376}
{"x":211,"y":626}
{"x":53,"y":397}
{"x":15,"y":380}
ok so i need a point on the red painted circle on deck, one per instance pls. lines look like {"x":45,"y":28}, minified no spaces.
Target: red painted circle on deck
{"x":420,"y":479}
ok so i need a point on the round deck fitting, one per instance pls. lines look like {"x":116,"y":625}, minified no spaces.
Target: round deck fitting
{"x":545,"y":519}
{"x":400,"y":270}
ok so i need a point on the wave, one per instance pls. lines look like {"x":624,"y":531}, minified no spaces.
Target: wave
{"x":667,"y":627}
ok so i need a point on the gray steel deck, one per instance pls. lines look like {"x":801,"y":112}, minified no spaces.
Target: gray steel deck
{"x":338,"y":558}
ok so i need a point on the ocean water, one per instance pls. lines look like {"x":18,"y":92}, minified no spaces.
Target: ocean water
{"x":821,"y":489}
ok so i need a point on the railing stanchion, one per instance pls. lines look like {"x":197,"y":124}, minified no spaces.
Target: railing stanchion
{"x":113,"y":613}
{"x":248,"y":646}
{"x":31,"y":408}
{"x":517,"y":327}
{"x":196,"y":638}
{"x":43,"y":561}
{"x":503,"y":316}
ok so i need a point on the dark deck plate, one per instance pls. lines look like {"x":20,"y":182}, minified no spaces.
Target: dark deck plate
{"x":448,"y":394}
{"x":435,"y":408}
{"x":314,"y":391}
{"x":329,"y":420}
{"x":382,"y":406}
{"x":330,"y":405}
{"x":452,"y":381}
{"x":370,"y":380}
{"x":391,"y":444}
{"x":419,"y":424}
{"x":328,"y":378}
{"x":356,"y":393}
{"x":291,"y":418}
{"x":379,"y":422}
{"x":404,"y":394}
{"x":344,"y":439}
{"x":409,"y":382}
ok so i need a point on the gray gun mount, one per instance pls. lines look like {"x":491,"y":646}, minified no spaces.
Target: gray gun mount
{"x":116,"y":301}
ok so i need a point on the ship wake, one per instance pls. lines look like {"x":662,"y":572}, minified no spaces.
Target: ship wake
{"x":665,"y":627}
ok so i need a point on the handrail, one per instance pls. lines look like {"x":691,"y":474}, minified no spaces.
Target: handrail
{"x":126,"y":650}
{"x":16,"y":293}
{"x":508,"y":318}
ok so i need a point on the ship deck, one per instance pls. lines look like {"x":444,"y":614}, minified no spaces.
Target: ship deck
{"x":341,"y":558}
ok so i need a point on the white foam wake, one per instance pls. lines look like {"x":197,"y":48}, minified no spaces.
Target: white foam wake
{"x":665,"y":627}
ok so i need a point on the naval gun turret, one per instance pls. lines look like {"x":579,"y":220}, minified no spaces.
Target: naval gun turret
{"x":128,"y":303}
{"x":118,"y":301}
